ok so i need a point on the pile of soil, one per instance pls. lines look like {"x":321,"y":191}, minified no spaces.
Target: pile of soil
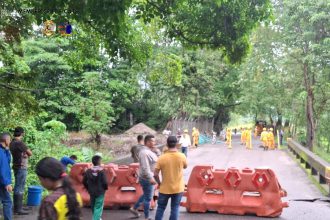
{"x":117,"y":145}
{"x":140,"y":129}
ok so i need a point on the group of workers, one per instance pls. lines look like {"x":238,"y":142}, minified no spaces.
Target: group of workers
{"x":246,"y":138}
{"x":267,"y":138}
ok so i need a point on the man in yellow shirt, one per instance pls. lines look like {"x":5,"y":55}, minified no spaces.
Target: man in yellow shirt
{"x":171,"y":165}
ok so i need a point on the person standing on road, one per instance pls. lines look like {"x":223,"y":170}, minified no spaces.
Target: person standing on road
{"x":5,"y":177}
{"x":248,"y":138}
{"x":263,"y":138}
{"x":136,"y":148}
{"x":20,"y":154}
{"x":228,"y":138}
{"x":171,"y":166}
{"x":147,"y":159}
{"x":185,"y":142}
{"x":281,"y":136}
{"x":195,"y":136}
{"x":95,"y":181}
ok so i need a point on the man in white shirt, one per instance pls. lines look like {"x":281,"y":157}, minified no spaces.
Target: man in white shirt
{"x":185,"y":142}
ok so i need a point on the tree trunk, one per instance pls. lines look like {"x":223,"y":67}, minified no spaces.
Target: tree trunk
{"x":98,"y":141}
{"x":131,"y":121}
{"x":310,"y":119}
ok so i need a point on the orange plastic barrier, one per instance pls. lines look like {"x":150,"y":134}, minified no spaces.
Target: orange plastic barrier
{"x":123,"y":186}
{"x":234,"y":191}
{"x":76,"y":175}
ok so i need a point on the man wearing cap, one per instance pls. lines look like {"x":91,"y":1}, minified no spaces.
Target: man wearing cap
{"x":171,"y":166}
{"x":185,"y":142}
{"x":20,"y":154}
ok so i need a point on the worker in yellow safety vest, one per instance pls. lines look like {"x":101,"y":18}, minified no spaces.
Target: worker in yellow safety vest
{"x":248,"y":139}
{"x":243,"y":136}
{"x":271,"y":139}
{"x":264,"y":138}
{"x":228,"y":138}
{"x":195,"y":136}
{"x":197,"y":139}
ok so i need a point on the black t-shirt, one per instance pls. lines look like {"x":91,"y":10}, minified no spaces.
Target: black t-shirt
{"x":18,"y":150}
{"x":95,"y":181}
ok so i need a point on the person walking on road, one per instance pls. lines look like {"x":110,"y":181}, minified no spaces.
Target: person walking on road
{"x":171,"y":166}
{"x":21,"y":154}
{"x":148,"y":160}
{"x":64,"y":203}
{"x":96,"y":183}
{"x":185,"y":142}
{"x":281,"y":136}
{"x":264,"y":139}
{"x":271,"y":139}
{"x":5,"y":177}
{"x":136,"y":148}
{"x":228,"y":138}
{"x":195,"y":137}
{"x":243,"y":136}
{"x":248,"y":139}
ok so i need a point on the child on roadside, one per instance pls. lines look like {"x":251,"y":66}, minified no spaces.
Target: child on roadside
{"x":95,"y":182}
{"x":63,"y":203}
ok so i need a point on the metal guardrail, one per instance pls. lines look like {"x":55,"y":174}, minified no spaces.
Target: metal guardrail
{"x":319,"y":167}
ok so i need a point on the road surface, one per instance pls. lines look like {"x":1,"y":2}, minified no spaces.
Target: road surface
{"x":290,"y":175}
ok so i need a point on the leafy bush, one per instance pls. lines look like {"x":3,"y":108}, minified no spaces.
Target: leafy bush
{"x":48,"y":143}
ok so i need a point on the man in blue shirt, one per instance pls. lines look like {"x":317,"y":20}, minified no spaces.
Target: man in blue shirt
{"x":68,"y":160}
{"x":5,"y":176}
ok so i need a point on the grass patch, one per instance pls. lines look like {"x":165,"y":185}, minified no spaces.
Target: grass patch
{"x":322,"y":153}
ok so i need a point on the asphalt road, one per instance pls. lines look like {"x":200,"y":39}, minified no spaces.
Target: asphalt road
{"x":291,"y":176}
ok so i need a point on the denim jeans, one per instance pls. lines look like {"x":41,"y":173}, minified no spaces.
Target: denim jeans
{"x":162,"y":203}
{"x":148,"y":190}
{"x":20,"y":179}
{"x":6,"y":203}
{"x":184,"y":150}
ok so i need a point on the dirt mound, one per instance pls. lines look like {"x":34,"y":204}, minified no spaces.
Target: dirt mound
{"x":140,"y":129}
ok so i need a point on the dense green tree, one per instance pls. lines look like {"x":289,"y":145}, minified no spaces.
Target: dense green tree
{"x":307,"y":37}
{"x":95,"y":105}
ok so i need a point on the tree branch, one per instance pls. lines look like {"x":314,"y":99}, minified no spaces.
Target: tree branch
{"x":15,"y":88}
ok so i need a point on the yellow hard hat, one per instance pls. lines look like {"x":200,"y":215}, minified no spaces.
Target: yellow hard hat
{"x":185,"y":130}
{"x":264,"y":129}
{"x":271,"y":129}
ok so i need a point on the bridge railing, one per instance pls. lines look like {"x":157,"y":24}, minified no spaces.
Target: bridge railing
{"x":319,"y":167}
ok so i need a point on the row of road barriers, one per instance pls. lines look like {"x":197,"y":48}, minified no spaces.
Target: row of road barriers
{"x":234,"y":191}
{"x":231,"y":191}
